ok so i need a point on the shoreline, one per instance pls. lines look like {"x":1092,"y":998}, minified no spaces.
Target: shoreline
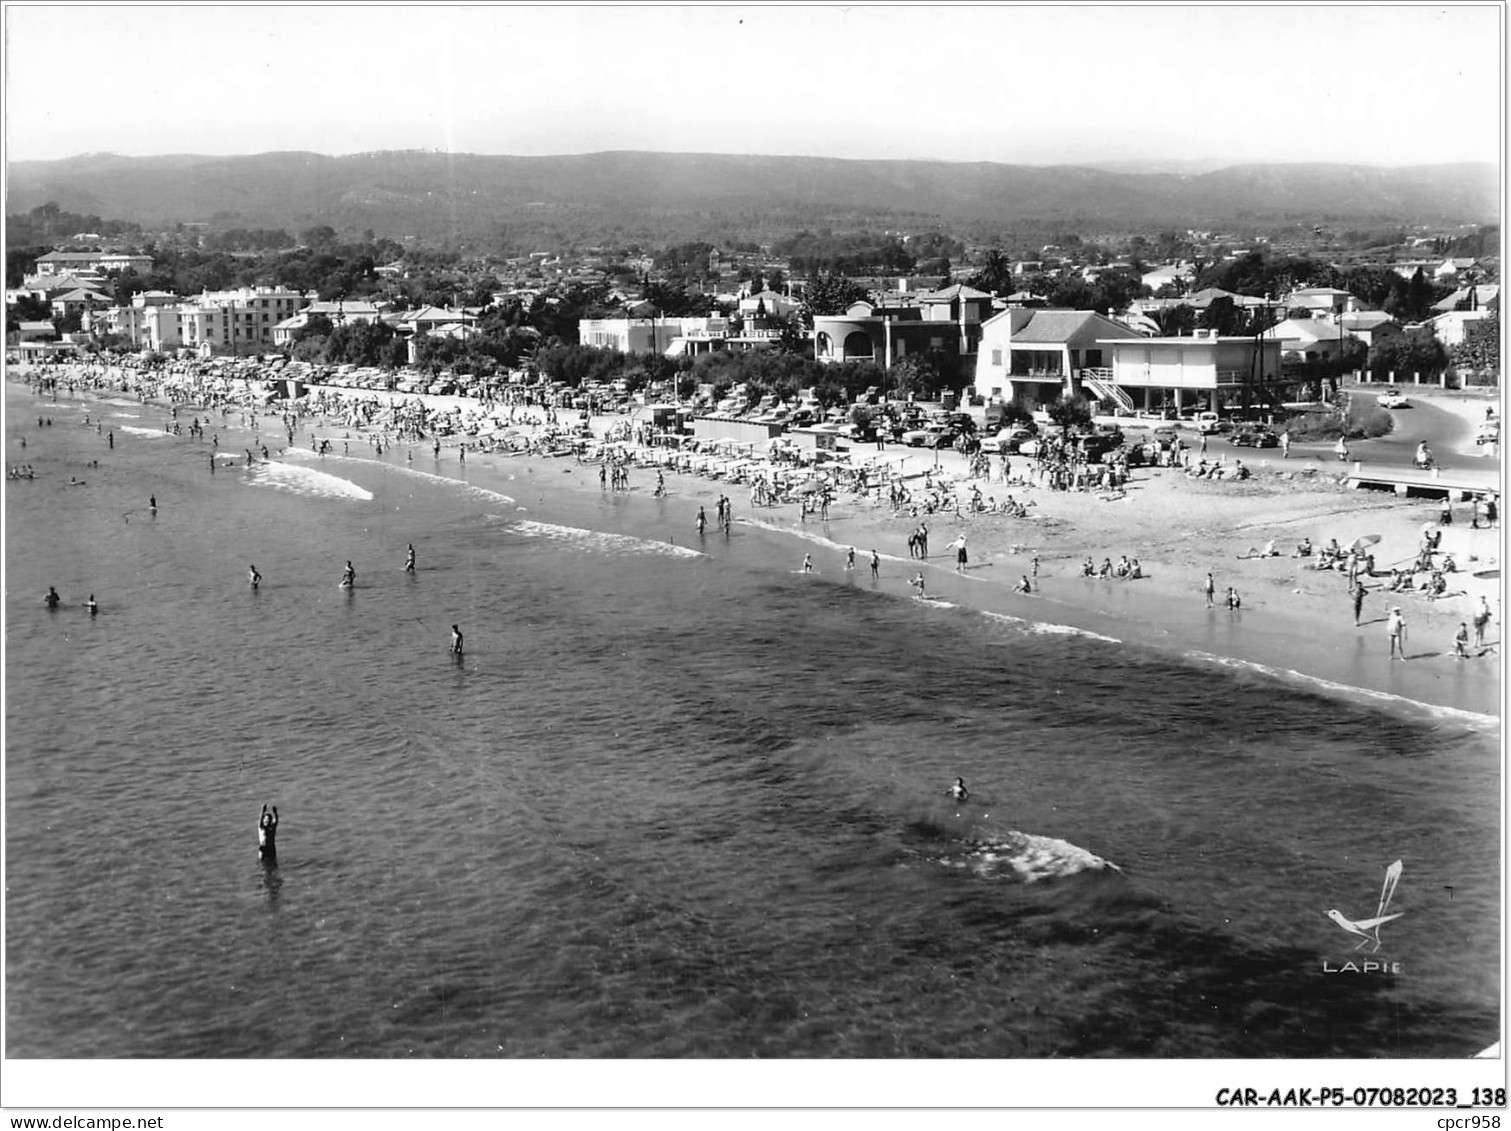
{"x":1295,"y":624}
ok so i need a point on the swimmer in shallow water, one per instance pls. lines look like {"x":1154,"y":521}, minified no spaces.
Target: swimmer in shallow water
{"x":253,"y":577}
{"x":348,"y":576}
{"x":92,"y":605}
{"x":409,"y":559}
{"x":52,"y":598}
{"x":456,"y":640}
{"x":267,"y":834}
{"x":958,"y":790}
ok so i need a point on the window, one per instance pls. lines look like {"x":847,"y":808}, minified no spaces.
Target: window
{"x":997,"y":360}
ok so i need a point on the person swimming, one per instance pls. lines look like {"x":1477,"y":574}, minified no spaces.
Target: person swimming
{"x":958,"y":790}
{"x":267,"y":834}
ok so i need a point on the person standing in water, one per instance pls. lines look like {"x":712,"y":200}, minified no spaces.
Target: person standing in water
{"x":92,"y":605}
{"x":1395,"y":627}
{"x":267,"y":835}
{"x":253,"y":577}
{"x":52,"y":598}
{"x":875,"y":565}
{"x":348,"y":577}
{"x":152,"y":503}
{"x":409,"y":559}
{"x":456,"y":640}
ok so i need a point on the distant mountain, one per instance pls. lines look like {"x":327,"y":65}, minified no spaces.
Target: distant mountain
{"x":635,"y":196}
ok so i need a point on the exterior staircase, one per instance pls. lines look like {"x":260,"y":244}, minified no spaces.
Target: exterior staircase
{"x":1099,"y":381}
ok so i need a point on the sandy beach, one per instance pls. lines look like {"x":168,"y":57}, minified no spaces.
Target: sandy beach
{"x":1295,"y":620}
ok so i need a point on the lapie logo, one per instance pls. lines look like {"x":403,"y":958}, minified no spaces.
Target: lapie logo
{"x":1367,"y":931}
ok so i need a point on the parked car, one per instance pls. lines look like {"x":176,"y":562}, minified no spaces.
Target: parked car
{"x":1210,"y":422}
{"x":1009,"y":439}
{"x":1098,"y":444}
{"x":1393,"y":400}
{"x":1254,"y":436}
{"x":1489,"y":433}
{"x":1163,"y":438}
{"x":929,"y":436}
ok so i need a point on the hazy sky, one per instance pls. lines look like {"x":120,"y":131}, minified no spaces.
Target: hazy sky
{"x":1383,"y":84}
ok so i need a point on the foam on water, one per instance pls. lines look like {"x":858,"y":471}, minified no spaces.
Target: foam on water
{"x":307,"y":481}
{"x":156,"y":433}
{"x":1446,"y":714}
{"x":1043,"y":628}
{"x":600,"y":540}
{"x":446,"y":480}
{"x":819,"y":539}
{"x":1027,"y":857}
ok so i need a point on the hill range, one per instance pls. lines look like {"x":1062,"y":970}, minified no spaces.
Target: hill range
{"x":638,"y":196}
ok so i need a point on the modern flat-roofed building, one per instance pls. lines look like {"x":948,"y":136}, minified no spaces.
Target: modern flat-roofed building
{"x":1202,"y":372}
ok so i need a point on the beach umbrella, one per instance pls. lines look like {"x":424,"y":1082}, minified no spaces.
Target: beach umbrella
{"x":1360,"y":544}
{"x":811,"y":486}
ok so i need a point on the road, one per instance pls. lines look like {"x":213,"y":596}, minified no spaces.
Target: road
{"x":1449,"y":434}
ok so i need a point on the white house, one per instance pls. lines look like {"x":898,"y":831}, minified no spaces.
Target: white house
{"x":1450,"y":327}
{"x":1451,"y":267}
{"x":1171,"y":274}
{"x":1307,"y":339}
{"x":1320,"y":300}
{"x":1181,"y":375}
{"x":1036,"y":356}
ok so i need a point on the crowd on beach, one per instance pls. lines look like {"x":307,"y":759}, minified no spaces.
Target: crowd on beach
{"x":780,"y":476}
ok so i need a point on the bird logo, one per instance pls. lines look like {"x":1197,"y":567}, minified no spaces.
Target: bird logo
{"x":1368,"y":930}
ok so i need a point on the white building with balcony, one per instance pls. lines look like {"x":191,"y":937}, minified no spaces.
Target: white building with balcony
{"x":1036,"y":356}
{"x":1179,"y":375}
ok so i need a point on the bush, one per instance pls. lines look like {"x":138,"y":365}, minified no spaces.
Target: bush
{"x":1071,"y":412}
{"x":1367,"y":420}
{"x":1314,"y":426}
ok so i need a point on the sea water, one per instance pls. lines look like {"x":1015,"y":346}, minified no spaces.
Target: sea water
{"x":676,"y":799}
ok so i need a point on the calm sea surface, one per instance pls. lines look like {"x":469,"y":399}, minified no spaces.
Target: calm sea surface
{"x":670,"y":803}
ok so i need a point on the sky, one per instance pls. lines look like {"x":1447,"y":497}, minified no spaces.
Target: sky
{"x":1384,"y":84}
